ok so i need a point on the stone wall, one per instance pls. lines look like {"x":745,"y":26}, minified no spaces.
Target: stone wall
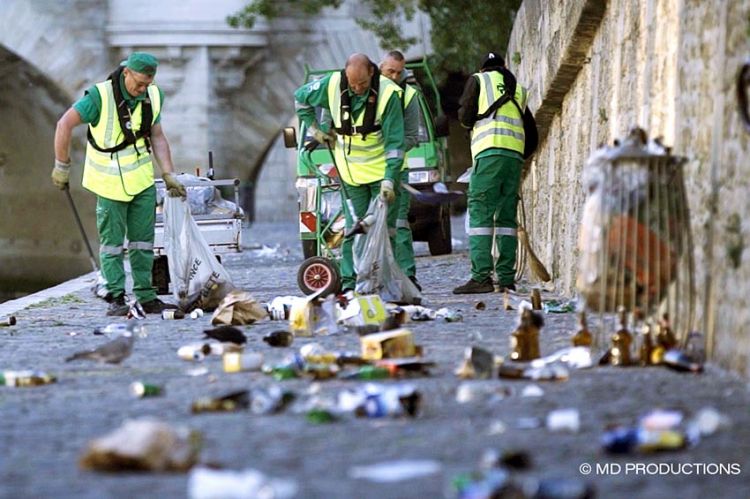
{"x":597,"y":68}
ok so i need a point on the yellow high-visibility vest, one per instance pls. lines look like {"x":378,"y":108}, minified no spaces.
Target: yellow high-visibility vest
{"x":361,"y":161}
{"x":409,"y":93}
{"x":121,"y":175}
{"x":505,"y":129}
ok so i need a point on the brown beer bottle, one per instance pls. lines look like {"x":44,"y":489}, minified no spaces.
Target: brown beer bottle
{"x":621,"y":341}
{"x":583,"y":337}
{"x":524,"y":342}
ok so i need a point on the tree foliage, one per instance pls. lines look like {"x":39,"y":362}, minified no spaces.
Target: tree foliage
{"x":461,"y":31}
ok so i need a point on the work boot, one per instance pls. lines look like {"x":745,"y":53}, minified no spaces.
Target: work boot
{"x":118,"y":307}
{"x":156,"y":306}
{"x":413,"y":279}
{"x":506,"y":287}
{"x":474,"y":287}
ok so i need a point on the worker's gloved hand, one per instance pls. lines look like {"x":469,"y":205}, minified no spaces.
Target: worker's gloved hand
{"x":322,"y":137}
{"x":61,"y":174}
{"x":174,"y":187}
{"x":387,"y":191}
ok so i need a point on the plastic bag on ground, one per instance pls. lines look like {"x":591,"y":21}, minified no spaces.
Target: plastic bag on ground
{"x":143,"y":445}
{"x":205,"y":483}
{"x":377,"y":270}
{"x":198,"y":279}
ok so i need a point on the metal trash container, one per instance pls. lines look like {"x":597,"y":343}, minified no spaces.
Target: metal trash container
{"x":635,"y":241}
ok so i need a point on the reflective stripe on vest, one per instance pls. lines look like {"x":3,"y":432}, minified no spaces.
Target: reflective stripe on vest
{"x":105,"y":174}
{"x":503,"y":130}
{"x":361,"y":161}
{"x":409,"y":93}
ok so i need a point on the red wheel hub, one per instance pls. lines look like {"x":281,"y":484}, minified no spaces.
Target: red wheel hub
{"x":317,"y":276}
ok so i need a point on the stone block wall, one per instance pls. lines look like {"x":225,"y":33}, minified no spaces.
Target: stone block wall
{"x":597,"y":68}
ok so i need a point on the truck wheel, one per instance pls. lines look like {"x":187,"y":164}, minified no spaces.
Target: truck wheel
{"x":309,"y":248}
{"x":318,"y":273}
{"x":439,"y":238}
{"x":160,"y":275}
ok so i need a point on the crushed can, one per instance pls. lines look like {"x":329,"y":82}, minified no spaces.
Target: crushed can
{"x":226,"y":403}
{"x":271,"y":400}
{"x":235,"y":362}
{"x":194,"y":352}
{"x":172,"y":314}
{"x":388,"y":344}
{"x":7,"y":321}
{"x":140,"y":390}
{"x":25,"y":378}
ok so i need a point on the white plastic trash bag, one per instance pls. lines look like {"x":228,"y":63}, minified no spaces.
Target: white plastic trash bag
{"x":377,"y":270}
{"x":198,"y":279}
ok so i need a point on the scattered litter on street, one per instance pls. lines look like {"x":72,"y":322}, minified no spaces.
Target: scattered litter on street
{"x":143,"y":445}
{"x":532,"y":391}
{"x":238,"y":308}
{"x":389,"y":344}
{"x":235,"y":362}
{"x":25,"y":378}
{"x":395,"y":471}
{"x":566,"y":420}
{"x":225,"y":403}
{"x":140,"y":390}
{"x":209,"y":483}
{"x":560,"y":306}
{"x":7,"y":321}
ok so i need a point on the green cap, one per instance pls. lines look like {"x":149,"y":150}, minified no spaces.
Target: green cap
{"x":141,"y":62}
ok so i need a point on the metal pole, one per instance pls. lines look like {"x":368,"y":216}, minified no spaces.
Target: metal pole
{"x":83,"y":231}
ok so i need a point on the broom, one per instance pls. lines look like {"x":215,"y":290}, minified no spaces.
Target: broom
{"x":537,"y":267}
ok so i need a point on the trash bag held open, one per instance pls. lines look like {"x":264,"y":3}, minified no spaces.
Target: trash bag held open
{"x":377,"y":270}
{"x":198,"y":279}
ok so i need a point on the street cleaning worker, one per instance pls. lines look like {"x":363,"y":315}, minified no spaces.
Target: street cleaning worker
{"x":368,"y":135}
{"x":393,"y":67}
{"x":124,"y":136}
{"x":493,"y":107}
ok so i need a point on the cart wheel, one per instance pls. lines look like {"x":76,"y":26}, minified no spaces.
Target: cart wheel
{"x":317,"y":273}
{"x":160,"y":275}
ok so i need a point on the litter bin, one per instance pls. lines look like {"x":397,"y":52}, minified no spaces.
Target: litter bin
{"x":636,"y":248}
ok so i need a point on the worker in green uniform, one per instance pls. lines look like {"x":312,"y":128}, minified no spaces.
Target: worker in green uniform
{"x":393,"y":67}
{"x":493,"y":107}
{"x":124,"y":137}
{"x":367,"y":133}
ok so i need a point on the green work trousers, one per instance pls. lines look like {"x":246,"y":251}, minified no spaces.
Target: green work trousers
{"x":493,"y":200}
{"x":404,"y":244}
{"x":134,"y":219}
{"x":361,"y":196}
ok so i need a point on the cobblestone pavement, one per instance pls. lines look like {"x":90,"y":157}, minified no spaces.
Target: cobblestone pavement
{"x":45,"y":429}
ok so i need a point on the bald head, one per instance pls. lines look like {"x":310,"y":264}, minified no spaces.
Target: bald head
{"x":359,"y":71}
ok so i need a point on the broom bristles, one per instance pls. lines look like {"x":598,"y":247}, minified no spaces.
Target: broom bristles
{"x":537,"y":267}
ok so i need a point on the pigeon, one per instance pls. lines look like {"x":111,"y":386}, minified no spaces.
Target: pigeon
{"x":226,"y":333}
{"x":112,"y":352}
